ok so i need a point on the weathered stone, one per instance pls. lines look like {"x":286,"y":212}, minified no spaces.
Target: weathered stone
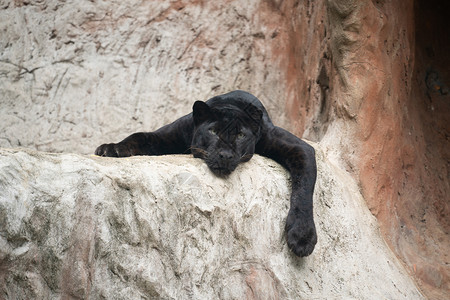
{"x":369,"y":80}
{"x":96,"y":71}
{"x":392,"y":124}
{"x":366,"y":79}
{"x":167,"y":228}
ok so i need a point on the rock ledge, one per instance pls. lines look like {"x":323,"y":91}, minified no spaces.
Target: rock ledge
{"x":166,"y":228}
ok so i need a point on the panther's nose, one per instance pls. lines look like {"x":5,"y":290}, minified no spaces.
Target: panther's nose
{"x":225,"y":154}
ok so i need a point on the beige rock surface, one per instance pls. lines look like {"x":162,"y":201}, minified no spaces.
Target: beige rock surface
{"x":166,"y":228}
{"x":79,"y":72}
{"x":367,"y":79}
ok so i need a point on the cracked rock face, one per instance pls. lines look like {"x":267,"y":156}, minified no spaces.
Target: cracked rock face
{"x":167,"y":228}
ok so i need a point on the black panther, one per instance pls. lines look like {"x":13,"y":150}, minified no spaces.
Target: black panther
{"x":225,"y":131}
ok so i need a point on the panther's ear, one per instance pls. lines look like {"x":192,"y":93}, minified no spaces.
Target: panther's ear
{"x":201,"y":112}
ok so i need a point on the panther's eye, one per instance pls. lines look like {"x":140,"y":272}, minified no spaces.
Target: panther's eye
{"x":213,"y":131}
{"x":241,"y":135}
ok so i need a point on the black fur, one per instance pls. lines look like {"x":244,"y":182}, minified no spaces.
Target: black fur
{"x":227,"y":130}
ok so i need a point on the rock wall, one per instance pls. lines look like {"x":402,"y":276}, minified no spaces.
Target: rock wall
{"x":79,"y":72}
{"x":367,"y":79}
{"x":166,"y":228}
{"x":391,"y":105}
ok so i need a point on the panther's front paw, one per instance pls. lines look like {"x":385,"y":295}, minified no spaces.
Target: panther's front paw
{"x":113,"y":150}
{"x":301,"y":234}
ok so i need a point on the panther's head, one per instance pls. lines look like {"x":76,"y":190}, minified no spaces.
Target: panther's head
{"x":225,"y":135}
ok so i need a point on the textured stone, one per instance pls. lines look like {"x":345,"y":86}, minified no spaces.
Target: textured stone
{"x":391,"y":130}
{"x":367,"y":79}
{"x":77,"y":72}
{"x":167,"y":228}
{"x":370,"y":81}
